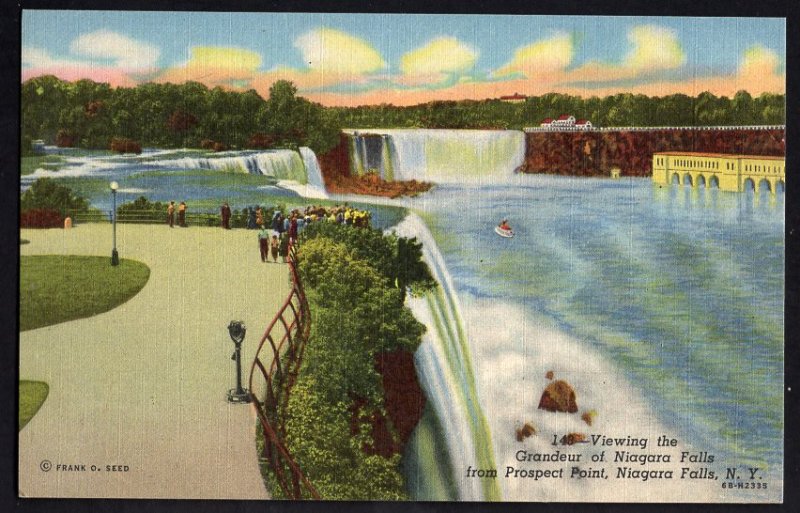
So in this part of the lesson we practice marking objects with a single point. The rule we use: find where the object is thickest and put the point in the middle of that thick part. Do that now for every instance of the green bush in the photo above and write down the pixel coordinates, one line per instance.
(399, 259)
(357, 310)
(143, 210)
(46, 194)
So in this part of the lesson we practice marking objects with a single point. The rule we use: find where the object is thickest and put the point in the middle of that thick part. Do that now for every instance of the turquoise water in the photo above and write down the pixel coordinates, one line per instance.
(682, 290)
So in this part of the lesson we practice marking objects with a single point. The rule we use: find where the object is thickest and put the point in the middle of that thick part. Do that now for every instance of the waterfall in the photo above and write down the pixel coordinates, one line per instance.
(315, 185)
(439, 156)
(279, 164)
(356, 156)
(445, 370)
(387, 169)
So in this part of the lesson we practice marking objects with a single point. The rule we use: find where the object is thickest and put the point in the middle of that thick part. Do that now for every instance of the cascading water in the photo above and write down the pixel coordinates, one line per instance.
(439, 156)
(298, 171)
(315, 185)
(445, 369)
(279, 164)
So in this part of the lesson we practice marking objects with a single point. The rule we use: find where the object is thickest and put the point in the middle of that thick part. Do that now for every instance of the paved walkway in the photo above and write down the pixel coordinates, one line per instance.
(144, 385)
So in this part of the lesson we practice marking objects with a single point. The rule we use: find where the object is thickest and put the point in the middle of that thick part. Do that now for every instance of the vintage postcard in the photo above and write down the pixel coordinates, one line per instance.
(282, 256)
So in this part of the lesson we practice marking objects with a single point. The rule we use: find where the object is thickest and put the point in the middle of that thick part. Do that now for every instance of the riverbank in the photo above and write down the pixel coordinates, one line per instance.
(373, 185)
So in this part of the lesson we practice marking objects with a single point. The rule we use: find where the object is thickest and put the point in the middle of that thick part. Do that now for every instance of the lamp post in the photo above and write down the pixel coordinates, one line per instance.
(237, 330)
(114, 255)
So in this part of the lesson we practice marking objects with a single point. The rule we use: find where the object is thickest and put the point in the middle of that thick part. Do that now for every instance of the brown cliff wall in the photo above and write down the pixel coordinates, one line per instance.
(335, 167)
(335, 163)
(403, 400)
(595, 153)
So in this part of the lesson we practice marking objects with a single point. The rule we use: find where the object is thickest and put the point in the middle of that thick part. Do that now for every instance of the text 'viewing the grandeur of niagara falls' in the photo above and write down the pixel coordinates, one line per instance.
(597, 456)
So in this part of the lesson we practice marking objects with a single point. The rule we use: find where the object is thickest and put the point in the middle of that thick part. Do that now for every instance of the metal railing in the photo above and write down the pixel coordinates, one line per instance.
(283, 343)
(144, 217)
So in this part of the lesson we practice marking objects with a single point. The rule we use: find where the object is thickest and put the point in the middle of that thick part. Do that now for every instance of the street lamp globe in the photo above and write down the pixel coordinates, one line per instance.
(114, 186)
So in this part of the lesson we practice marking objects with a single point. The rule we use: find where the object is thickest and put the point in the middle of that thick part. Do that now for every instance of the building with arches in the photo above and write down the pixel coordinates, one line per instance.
(727, 172)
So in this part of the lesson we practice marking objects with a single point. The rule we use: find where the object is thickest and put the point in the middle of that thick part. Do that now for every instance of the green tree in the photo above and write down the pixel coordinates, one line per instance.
(45, 193)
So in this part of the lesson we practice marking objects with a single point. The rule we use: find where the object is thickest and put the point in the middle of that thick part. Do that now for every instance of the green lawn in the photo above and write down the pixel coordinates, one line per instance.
(56, 288)
(31, 397)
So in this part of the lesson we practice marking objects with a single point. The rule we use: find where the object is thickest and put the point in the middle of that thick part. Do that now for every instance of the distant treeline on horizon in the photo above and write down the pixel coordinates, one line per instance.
(88, 114)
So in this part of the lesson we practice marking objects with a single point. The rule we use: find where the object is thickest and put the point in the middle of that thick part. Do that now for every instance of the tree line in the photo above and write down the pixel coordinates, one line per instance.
(89, 114)
(625, 109)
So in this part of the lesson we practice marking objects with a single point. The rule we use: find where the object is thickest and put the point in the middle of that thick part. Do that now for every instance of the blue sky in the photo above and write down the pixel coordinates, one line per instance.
(702, 48)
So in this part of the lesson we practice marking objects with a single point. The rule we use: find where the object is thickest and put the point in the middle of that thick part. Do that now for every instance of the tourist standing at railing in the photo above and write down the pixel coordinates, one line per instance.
(182, 214)
(171, 214)
(274, 246)
(293, 229)
(276, 223)
(284, 246)
(259, 216)
(263, 243)
(225, 211)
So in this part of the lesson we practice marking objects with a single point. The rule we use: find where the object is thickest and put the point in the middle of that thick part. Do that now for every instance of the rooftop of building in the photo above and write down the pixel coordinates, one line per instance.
(716, 155)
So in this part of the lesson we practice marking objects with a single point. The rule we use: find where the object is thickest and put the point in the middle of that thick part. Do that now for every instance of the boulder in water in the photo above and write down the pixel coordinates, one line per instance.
(588, 417)
(559, 396)
(549, 375)
(525, 431)
(574, 438)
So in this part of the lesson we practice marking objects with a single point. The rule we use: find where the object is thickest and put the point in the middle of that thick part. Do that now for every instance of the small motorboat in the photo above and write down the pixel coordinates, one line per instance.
(508, 233)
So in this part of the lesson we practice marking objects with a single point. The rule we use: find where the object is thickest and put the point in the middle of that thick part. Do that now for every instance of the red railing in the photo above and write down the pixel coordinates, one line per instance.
(283, 344)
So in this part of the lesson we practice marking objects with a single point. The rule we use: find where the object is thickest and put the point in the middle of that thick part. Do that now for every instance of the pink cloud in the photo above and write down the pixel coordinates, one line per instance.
(113, 76)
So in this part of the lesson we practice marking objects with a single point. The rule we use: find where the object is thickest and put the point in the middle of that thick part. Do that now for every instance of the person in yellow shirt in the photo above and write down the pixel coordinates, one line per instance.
(182, 215)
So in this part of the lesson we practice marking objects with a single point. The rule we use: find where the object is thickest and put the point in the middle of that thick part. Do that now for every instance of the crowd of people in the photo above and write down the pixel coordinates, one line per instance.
(276, 230)
(285, 228)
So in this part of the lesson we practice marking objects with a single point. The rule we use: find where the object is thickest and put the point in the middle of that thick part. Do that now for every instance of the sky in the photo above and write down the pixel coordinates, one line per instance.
(404, 59)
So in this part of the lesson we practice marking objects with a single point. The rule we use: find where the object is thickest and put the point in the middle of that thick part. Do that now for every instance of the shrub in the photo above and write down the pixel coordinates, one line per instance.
(65, 139)
(143, 210)
(260, 141)
(209, 144)
(357, 313)
(40, 218)
(125, 145)
(45, 193)
(397, 258)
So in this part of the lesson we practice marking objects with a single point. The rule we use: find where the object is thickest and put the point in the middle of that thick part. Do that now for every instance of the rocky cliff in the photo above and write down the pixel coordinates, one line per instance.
(596, 153)
(335, 167)
(403, 400)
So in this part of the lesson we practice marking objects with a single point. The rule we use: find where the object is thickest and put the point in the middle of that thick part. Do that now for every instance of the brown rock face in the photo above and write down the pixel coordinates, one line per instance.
(403, 396)
(335, 166)
(558, 396)
(594, 153)
(403, 400)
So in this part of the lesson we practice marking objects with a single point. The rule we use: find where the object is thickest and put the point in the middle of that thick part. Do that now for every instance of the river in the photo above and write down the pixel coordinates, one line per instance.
(662, 307)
